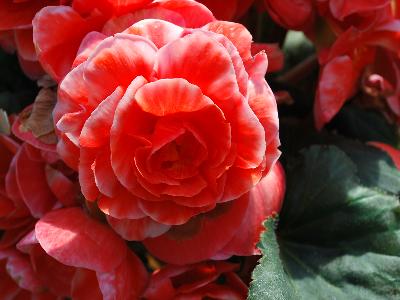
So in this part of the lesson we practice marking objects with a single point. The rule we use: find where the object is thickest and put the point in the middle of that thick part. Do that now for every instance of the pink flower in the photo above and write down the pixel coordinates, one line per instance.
(165, 123)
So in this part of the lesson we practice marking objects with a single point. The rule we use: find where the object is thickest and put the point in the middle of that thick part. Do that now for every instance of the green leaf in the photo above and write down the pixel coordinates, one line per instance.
(375, 167)
(337, 238)
(270, 279)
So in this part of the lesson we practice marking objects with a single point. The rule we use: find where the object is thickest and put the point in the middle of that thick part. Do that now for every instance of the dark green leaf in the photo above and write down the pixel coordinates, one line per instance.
(337, 238)
(365, 125)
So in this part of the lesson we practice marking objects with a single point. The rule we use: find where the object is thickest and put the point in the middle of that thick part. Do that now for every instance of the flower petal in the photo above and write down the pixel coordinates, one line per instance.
(24, 43)
(265, 199)
(85, 286)
(138, 229)
(74, 239)
(96, 130)
(158, 31)
(123, 205)
(117, 61)
(202, 237)
(170, 96)
(126, 281)
(169, 213)
(336, 85)
(57, 34)
(19, 14)
(202, 61)
(32, 184)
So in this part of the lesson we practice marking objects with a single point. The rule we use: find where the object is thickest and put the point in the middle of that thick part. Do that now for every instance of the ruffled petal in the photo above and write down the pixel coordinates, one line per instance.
(194, 14)
(96, 130)
(88, 44)
(202, 61)
(170, 96)
(117, 61)
(236, 33)
(158, 31)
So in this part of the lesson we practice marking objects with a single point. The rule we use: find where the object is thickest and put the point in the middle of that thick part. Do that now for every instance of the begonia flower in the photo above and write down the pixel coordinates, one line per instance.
(164, 123)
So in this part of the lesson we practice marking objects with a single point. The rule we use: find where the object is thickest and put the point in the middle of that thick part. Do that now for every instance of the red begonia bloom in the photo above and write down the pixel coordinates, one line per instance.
(214, 280)
(355, 40)
(231, 229)
(58, 30)
(165, 122)
(354, 53)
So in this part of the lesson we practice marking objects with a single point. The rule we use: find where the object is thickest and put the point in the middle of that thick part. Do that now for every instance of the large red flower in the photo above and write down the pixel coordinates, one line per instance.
(164, 123)
(207, 280)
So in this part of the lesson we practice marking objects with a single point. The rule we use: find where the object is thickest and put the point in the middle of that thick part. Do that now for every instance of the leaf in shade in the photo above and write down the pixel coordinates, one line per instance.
(336, 239)
(364, 125)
